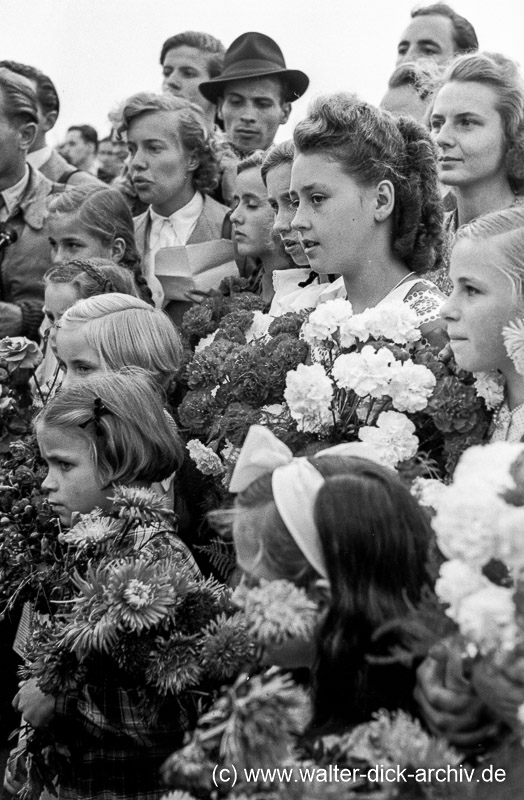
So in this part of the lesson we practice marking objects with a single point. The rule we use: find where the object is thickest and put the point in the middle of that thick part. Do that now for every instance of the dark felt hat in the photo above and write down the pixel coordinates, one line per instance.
(254, 55)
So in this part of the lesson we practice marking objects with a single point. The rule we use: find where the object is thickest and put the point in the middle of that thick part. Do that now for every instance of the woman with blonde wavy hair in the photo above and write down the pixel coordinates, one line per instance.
(477, 122)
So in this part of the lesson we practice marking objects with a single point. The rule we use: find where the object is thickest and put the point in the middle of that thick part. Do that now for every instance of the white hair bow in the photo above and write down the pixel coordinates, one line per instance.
(295, 483)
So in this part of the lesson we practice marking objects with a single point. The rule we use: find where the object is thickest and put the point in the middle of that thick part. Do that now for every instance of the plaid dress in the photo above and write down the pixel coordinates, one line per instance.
(117, 745)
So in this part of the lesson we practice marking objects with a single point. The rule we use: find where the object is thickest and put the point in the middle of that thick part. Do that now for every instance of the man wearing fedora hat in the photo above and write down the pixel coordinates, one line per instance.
(254, 92)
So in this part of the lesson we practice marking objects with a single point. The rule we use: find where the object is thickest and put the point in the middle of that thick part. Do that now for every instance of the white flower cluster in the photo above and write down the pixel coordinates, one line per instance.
(308, 393)
(325, 321)
(257, 331)
(377, 373)
(205, 459)
(490, 386)
(335, 321)
(393, 438)
(475, 524)
(315, 394)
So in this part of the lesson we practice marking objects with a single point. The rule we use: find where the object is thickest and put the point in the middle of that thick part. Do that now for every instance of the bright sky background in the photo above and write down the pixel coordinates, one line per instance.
(100, 51)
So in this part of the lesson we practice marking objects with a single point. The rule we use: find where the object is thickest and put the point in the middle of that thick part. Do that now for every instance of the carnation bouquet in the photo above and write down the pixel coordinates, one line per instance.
(374, 379)
(479, 524)
(334, 376)
(237, 380)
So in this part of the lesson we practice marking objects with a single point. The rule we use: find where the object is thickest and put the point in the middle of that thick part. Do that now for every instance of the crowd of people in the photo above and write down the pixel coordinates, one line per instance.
(163, 256)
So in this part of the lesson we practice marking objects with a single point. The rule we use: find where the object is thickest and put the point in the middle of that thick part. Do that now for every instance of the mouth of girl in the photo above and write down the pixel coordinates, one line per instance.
(308, 245)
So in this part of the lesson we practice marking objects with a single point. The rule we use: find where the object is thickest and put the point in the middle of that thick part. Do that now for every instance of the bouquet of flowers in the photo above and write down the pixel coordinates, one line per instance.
(130, 607)
(29, 548)
(19, 358)
(373, 379)
(479, 524)
(256, 725)
(370, 377)
(238, 380)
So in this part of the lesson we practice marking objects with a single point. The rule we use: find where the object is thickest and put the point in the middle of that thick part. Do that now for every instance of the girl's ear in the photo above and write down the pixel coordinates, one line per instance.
(194, 162)
(118, 248)
(384, 200)
(320, 592)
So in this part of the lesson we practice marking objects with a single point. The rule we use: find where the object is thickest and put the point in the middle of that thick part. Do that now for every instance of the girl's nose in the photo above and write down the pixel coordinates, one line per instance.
(448, 310)
(48, 483)
(236, 216)
(299, 221)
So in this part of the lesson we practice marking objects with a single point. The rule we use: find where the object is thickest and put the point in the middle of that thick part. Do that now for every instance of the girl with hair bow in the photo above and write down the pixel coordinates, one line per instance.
(344, 528)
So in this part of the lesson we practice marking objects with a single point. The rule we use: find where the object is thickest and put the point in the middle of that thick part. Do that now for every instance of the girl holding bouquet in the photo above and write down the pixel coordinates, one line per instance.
(368, 205)
(94, 437)
(345, 529)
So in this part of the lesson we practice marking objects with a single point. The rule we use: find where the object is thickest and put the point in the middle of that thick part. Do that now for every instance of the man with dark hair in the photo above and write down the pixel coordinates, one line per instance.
(23, 211)
(254, 92)
(81, 147)
(438, 32)
(41, 155)
(187, 59)
(108, 158)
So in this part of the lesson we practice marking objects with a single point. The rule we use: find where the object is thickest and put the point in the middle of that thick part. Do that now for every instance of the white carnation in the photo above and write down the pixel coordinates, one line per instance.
(455, 582)
(488, 464)
(490, 386)
(511, 537)
(205, 459)
(429, 492)
(487, 618)
(308, 394)
(466, 524)
(411, 386)
(356, 328)
(394, 437)
(325, 320)
(274, 409)
(258, 328)
(367, 372)
(395, 321)
(205, 342)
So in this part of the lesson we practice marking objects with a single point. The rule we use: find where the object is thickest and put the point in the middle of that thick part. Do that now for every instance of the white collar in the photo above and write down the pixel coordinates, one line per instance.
(185, 216)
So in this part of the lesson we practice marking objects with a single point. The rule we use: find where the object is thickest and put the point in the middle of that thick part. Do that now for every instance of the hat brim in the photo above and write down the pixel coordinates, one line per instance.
(296, 81)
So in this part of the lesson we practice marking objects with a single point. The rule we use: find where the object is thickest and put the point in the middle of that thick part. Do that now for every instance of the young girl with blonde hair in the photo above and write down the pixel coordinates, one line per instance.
(108, 431)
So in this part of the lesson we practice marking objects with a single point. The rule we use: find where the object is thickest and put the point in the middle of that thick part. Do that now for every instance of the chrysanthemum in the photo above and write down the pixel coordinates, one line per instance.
(174, 665)
(140, 594)
(278, 610)
(513, 335)
(226, 646)
(144, 505)
(93, 528)
(260, 716)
